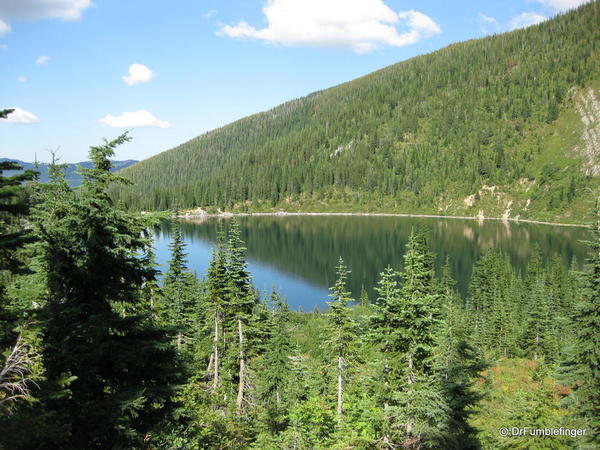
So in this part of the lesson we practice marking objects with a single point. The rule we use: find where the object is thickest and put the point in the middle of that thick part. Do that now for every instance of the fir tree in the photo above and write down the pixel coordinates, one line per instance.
(276, 369)
(241, 303)
(420, 406)
(180, 290)
(342, 332)
(121, 369)
(217, 300)
(585, 357)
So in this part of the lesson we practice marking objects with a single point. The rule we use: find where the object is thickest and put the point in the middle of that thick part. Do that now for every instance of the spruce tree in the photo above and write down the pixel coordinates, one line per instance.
(240, 305)
(384, 329)
(180, 290)
(276, 368)
(458, 365)
(120, 366)
(585, 356)
(217, 296)
(420, 406)
(342, 332)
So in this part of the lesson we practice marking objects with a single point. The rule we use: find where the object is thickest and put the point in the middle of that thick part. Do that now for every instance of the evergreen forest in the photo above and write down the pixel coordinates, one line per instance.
(98, 351)
(505, 125)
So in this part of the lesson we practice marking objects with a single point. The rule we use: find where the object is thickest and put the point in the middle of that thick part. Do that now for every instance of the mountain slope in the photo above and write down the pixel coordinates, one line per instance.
(490, 126)
(71, 175)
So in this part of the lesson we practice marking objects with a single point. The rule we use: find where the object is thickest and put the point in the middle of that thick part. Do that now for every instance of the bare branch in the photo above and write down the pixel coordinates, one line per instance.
(16, 375)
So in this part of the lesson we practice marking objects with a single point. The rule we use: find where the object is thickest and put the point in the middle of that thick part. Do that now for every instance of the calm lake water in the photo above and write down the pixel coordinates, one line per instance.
(297, 255)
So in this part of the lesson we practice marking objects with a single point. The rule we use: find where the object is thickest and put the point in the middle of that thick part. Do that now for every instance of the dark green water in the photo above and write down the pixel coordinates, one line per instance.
(298, 254)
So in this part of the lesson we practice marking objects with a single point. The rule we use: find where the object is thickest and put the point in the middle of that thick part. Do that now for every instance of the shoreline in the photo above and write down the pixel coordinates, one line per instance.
(425, 216)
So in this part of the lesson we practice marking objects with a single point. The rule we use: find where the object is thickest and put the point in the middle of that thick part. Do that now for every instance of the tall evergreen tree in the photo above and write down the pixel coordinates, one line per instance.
(121, 368)
(342, 332)
(585, 356)
(217, 296)
(420, 406)
(241, 303)
(276, 368)
(458, 365)
(180, 290)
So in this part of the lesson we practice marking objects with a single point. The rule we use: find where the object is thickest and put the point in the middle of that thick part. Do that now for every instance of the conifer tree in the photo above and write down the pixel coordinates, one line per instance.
(276, 369)
(241, 303)
(342, 332)
(420, 404)
(121, 368)
(17, 357)
(459, 363)
(180, 293)
(384, 329)
(585, 356)
(217, 302)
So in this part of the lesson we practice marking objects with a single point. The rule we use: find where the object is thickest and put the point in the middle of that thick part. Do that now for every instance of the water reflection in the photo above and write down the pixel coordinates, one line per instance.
(297, 254)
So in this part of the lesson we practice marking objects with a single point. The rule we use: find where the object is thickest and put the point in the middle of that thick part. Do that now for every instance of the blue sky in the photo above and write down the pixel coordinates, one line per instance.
(168, 71)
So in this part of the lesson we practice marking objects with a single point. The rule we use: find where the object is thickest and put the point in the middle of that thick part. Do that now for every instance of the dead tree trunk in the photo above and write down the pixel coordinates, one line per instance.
(340, 387)
(242, 374)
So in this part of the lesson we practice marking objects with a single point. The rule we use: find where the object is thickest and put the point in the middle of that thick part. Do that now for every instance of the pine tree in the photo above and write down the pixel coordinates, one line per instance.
(120, 366)
(217, 297)
(420, 406)
(276, 369)
(458, 366)
(585, 358)
(384, 327)
(241, 303)
(17, 356)
(180, 290)
(342, 332)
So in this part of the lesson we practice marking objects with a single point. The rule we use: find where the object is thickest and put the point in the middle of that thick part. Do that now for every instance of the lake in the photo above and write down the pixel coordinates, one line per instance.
(297, 255)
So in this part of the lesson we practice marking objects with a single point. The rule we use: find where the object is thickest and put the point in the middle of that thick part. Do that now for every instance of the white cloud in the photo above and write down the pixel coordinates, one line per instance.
(135, 119)
(525, 20)
(562, 5)
(4, 28)
(359, 25)
(69, 10)
(487, 19)
(21, 79)
(208, 14)
(42, 60)
(138, 73)
(21, 116)
(3, 46)
(488, 24)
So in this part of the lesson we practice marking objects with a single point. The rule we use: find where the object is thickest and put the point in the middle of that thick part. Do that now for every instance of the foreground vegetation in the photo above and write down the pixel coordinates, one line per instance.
(98, 354)
(496, 125)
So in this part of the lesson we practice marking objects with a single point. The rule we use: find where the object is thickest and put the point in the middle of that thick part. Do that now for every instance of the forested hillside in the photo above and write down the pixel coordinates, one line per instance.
(504, 125)
(97, 352)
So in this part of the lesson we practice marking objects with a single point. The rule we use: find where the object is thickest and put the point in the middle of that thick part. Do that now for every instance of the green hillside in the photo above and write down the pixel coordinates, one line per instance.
(504, 125)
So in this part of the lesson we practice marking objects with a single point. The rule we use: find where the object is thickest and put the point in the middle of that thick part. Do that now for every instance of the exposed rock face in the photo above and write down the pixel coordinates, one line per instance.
(589, 109)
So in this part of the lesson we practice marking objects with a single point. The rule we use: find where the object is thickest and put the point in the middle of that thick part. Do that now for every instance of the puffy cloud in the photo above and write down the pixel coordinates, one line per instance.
(69, 10)
(4, 27)
(3, 46)
(525, 20)
(42, 60)
(562, 5)
(135, 119)
(138, 73)
(21, 79)
(21, 116)
(359, 25)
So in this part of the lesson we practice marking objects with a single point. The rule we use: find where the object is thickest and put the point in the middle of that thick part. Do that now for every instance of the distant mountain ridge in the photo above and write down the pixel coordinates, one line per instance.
(502, 126)
(73, 179)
